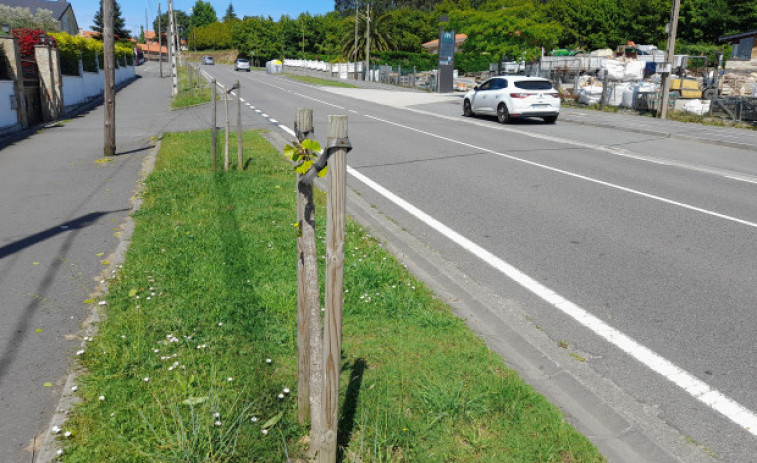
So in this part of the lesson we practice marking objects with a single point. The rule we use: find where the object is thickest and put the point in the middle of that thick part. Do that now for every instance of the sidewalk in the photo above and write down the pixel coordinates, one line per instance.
(63, 210)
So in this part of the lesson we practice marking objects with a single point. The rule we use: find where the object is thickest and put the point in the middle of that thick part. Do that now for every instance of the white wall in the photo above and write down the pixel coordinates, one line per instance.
(8, 116)
(79, 89)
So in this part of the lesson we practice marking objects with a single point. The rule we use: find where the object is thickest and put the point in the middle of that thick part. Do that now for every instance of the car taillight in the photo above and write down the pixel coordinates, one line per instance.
(519, 95)
(555, 95)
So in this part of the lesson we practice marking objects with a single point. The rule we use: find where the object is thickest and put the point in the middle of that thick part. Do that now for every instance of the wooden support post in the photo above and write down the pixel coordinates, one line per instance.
(332, 339)
(226, 147)
(309, 334)
(214, 123)
(240, 164)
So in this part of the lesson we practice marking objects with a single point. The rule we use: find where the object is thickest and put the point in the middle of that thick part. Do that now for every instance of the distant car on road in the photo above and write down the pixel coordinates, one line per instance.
(242, 65)
(208, 60)
(509, 97)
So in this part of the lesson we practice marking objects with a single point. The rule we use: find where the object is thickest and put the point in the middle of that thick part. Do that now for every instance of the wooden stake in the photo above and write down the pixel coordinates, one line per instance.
(332, 339)
(310, 337)
(240, 165)
(214, 123)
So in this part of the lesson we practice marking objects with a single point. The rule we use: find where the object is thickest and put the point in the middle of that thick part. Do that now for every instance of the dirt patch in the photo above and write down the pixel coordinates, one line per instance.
(219, 56)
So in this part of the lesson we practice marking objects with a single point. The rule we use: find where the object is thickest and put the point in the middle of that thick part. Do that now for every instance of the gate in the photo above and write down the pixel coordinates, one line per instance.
(30, 78)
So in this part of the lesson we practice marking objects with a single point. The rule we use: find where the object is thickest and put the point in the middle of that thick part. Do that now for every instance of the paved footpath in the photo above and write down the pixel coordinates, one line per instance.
(61, 206)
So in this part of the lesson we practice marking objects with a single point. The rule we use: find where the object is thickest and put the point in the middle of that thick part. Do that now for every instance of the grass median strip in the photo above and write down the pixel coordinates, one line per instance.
(196, 358)
(320, 81)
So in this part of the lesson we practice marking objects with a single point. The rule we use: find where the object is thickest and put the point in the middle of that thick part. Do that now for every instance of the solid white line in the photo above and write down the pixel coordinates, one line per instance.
(287, 130)
(575, 175)
(681, 378)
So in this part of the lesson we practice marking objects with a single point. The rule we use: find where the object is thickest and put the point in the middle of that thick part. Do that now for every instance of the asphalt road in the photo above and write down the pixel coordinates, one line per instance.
(609, 262)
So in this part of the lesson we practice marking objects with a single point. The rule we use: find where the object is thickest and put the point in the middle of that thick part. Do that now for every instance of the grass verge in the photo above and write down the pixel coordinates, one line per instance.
(189, 95)
(320, 81)
(199, 342)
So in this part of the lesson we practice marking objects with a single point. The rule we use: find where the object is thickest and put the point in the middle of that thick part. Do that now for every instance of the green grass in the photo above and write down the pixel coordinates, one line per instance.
(198, 93)
(320, 81)
(208, 293)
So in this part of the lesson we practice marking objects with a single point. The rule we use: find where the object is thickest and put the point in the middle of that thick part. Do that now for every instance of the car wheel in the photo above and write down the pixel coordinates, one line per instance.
(503, 115)
(467, 111)
(550, 119)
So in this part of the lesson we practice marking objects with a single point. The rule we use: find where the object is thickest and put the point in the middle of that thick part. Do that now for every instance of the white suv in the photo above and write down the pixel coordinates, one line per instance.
(242, 65)
(508, 97)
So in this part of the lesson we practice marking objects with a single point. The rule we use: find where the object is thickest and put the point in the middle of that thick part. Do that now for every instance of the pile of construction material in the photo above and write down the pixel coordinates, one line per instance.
(740, 83)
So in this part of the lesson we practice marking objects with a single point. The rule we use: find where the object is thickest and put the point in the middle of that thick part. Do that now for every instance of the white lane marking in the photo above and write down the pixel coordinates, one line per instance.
(352, 111)
(575, 175)
(273, 121)
(264, 114)
(741, 179)
(258, 111)
(681, 378)
(287, 130)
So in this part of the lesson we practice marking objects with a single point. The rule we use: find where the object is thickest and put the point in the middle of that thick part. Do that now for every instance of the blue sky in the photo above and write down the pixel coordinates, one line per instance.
(133, 11)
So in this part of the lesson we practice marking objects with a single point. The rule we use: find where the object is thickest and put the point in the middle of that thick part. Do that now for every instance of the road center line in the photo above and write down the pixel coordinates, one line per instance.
(575, 175)
(670, 371)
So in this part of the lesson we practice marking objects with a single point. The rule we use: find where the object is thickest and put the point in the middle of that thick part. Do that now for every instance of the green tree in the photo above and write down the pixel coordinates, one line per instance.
(230, 14)
(510, 31)
(379, 36)
(410, 28)
(213, 36)
(19, 17)
(258, 38)
(203, 14)
(182, 22)
(119, 29)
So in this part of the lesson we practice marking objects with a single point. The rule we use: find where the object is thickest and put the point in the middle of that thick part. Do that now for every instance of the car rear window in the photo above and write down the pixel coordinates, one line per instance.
(534, 85)
(242, 61)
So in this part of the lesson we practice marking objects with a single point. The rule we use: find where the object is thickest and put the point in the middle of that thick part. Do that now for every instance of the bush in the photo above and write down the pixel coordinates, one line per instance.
(472, 62)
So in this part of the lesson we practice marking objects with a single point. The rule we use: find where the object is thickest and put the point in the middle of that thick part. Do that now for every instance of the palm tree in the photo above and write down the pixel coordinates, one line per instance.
(380, 40)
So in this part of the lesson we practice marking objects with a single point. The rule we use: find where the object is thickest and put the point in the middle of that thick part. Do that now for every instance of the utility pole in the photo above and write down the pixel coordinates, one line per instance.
(670, 59)
(368, 41)
(160, 44)
(109, 66)
(172, 50)
(354, 60)
(144, 34)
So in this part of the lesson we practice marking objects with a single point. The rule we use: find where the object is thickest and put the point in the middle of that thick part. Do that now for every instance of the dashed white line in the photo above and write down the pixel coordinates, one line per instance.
(273, 121)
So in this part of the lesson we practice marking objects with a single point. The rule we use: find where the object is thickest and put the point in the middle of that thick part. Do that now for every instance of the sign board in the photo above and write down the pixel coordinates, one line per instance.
(446, 60)
(447, 48)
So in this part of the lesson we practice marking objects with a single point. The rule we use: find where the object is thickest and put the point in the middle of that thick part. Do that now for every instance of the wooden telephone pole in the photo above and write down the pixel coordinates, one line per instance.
(670, 58)
(109, 65)
(172, 49)
(160, 43)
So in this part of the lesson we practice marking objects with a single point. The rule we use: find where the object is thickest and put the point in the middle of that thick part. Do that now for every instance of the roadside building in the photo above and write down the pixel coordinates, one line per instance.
(62, 11)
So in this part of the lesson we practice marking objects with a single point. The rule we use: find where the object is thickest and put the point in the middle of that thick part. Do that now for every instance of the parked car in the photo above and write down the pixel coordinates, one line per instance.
(242, 65)
(509, 97)
(208, 60)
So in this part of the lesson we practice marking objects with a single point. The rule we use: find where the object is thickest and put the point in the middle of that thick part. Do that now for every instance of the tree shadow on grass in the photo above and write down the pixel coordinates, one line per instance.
(347, 418)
